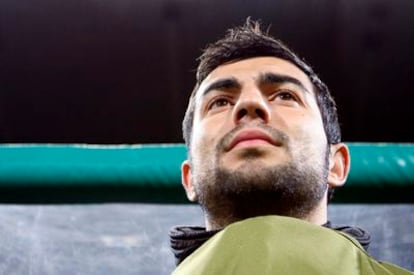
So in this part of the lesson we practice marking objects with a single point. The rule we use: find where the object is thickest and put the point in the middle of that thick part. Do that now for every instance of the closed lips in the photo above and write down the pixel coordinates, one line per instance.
(251, 134)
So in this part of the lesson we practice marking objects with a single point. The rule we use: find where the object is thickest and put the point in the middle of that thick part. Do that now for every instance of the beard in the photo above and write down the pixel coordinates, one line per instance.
(291, 189)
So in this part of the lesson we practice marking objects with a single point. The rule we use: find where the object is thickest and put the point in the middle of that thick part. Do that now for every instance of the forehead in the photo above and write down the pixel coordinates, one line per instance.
(249, 69)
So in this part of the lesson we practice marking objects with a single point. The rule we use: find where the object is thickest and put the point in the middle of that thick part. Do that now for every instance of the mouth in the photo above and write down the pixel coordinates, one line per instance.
(252, 138)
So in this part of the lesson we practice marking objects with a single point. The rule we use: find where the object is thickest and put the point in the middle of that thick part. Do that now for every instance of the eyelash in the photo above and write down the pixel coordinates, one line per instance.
(216, 100)
(273, 97)
(284, 93)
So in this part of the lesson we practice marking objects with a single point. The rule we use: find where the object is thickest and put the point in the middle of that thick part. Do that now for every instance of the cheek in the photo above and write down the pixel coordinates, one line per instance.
(306, 129)
(203, 140)
(211, 128)
(206, 135)
(315, 130)
(312, 143)
(300, 121)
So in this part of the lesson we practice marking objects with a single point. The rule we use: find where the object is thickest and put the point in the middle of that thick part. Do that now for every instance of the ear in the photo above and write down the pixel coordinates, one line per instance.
(187, 181)
(339, 164)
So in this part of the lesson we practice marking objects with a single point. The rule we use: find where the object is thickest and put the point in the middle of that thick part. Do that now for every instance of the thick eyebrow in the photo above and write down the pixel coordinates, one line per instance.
(223, 84)
(272, 78)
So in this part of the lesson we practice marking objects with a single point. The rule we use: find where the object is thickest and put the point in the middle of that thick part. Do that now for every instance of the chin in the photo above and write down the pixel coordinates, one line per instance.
(253, 166)
(252, 156)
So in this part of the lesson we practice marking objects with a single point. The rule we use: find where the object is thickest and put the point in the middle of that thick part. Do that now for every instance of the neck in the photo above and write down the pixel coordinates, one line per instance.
(318, 216)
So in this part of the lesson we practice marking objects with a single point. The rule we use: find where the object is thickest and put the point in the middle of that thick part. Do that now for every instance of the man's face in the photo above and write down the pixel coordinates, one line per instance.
(254, 117)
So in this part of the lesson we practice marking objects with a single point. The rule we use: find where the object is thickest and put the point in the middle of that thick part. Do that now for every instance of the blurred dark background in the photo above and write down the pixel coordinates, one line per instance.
(104, 71)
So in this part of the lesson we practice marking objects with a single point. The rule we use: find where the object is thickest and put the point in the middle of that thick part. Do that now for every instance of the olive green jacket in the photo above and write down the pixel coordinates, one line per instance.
(282, 245)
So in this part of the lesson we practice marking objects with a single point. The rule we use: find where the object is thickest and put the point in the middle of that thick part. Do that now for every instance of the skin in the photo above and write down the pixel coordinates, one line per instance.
(258, 91)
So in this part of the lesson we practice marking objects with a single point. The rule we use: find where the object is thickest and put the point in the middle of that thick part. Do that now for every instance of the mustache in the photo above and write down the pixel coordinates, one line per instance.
(274, 133)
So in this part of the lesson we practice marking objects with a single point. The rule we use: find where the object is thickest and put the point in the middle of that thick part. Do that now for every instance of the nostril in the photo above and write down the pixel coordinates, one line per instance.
(241, 114)
(252, 113)
(260, 113)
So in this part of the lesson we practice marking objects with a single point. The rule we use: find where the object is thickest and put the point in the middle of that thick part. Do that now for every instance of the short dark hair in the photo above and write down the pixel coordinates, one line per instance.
(249, 41)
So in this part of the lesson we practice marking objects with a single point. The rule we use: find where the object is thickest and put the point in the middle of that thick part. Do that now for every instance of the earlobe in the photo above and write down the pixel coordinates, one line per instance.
(187, 180)
(339, 165)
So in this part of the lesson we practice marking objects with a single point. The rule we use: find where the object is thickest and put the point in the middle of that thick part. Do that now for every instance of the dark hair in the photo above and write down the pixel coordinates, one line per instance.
(249, 41)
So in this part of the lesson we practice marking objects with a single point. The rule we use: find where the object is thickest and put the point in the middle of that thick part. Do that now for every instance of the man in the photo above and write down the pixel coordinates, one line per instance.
(264, 154)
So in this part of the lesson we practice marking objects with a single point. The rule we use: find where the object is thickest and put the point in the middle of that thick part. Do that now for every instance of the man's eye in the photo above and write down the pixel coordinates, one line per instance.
(220, 102)
(286, 96)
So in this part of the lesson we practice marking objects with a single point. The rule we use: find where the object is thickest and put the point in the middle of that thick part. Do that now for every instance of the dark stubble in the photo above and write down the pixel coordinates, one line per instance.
(254, 189)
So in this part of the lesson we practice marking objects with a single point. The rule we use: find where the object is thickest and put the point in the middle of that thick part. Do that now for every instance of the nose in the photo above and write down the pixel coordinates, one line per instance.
(251, 105)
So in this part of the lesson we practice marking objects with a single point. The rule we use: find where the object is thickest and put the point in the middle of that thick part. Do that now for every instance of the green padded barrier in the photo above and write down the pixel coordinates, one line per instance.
(380, 173)
(59, 173)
